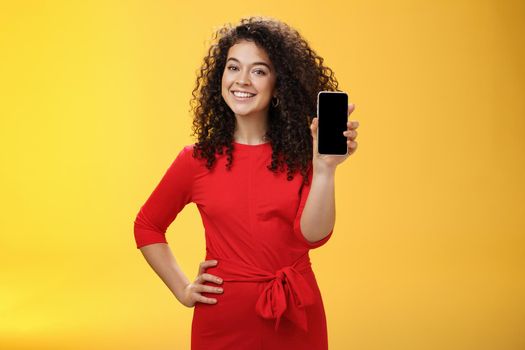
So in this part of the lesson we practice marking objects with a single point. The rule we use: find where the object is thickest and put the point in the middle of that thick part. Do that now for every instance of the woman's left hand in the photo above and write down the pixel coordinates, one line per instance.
(323, 162)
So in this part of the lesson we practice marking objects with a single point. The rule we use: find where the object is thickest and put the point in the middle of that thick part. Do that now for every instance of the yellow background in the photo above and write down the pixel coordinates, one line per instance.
(428, 251)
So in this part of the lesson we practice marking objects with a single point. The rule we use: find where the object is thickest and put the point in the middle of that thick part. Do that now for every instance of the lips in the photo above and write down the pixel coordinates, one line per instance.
(247, 92)
(238, 98)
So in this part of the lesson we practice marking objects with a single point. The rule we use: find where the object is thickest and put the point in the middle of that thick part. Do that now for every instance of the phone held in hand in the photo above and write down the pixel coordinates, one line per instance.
(332, 114)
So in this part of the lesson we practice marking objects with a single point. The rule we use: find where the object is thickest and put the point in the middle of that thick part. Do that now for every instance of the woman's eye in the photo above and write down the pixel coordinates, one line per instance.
(258, 71)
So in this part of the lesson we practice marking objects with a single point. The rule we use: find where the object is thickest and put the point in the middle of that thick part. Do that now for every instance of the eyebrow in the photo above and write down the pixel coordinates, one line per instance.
(253, 64)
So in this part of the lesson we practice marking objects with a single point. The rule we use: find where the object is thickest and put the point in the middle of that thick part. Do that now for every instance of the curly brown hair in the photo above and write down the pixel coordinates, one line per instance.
(300, 75)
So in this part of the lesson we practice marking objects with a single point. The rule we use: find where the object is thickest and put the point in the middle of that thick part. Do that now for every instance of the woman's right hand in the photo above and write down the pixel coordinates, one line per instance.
(192, 292)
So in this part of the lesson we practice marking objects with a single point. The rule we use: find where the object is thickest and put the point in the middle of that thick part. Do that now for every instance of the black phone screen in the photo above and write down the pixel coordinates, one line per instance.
(332, 113)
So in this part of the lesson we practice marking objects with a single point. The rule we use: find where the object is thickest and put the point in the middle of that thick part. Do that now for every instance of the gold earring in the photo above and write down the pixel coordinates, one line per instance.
(277, 103)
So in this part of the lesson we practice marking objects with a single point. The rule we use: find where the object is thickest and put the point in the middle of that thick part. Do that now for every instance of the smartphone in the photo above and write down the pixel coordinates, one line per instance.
(332, 114)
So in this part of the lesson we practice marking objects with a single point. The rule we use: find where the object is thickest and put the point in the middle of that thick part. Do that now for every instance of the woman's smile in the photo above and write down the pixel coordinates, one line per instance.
(242, 96)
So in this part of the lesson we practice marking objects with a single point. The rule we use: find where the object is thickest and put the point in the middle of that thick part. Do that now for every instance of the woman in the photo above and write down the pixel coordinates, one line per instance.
(264, 194)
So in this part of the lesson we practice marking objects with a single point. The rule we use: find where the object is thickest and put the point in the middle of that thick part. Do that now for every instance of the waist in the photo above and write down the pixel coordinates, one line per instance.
(236, 271)
(287, 293)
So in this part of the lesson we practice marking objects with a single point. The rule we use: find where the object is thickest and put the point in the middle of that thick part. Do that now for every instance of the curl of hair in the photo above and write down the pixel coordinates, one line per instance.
(300, 75)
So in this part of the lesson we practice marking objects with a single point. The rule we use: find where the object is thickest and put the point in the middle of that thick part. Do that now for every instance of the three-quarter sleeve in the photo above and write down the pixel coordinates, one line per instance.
(305, 190)
(168, 198)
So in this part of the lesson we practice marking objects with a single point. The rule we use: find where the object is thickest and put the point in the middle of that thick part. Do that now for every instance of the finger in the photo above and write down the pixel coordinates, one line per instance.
(351, 108)
(211, 278)
(352, 144)
(353, 124)
(352, 134)
(205, 264)
(205, 300)
(210, 289)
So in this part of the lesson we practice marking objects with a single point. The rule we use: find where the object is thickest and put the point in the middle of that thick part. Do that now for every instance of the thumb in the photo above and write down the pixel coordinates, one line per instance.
(313, 128)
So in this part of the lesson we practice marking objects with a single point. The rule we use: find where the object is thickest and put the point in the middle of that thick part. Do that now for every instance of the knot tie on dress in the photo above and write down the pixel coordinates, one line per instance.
(287, 292)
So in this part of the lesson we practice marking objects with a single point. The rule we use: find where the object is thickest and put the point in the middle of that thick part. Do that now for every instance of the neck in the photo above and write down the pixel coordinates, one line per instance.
(251, 129)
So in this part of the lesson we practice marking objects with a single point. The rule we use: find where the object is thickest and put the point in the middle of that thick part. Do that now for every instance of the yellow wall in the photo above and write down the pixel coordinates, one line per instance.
(428, 248)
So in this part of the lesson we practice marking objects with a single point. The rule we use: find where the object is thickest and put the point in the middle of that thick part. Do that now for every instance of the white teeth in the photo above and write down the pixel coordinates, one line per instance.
(243, 94)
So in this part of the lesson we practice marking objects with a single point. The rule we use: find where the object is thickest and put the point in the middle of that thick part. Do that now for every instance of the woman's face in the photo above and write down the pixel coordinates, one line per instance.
(249, 70)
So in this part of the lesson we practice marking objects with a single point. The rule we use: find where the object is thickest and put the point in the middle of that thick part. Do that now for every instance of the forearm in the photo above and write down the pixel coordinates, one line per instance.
(318, 217)
(160, 257)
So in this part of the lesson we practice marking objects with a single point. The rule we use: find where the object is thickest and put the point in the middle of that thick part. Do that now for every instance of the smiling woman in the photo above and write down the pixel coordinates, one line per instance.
(254, 101)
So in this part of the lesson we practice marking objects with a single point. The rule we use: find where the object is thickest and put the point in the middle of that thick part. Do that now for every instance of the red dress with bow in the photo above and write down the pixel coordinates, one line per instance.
(251, 218)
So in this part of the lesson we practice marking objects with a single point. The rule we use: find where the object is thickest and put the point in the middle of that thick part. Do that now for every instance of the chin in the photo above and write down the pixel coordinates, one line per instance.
(243, 113)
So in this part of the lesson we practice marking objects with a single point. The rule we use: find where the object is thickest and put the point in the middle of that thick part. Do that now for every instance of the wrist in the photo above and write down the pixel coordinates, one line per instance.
(180, 295)
(324, 171)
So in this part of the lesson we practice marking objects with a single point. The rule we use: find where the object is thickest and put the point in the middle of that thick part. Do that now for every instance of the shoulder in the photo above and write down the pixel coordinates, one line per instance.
(185, 153)
(188, 149)
(187, 157)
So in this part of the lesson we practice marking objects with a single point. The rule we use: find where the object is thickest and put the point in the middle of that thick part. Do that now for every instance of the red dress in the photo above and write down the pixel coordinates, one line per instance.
(251, 217)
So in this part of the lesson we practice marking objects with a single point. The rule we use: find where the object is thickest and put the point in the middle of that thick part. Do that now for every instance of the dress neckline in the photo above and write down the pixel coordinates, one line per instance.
(247, 146)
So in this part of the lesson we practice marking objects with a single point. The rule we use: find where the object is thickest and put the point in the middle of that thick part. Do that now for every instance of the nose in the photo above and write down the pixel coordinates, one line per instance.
(243, 79)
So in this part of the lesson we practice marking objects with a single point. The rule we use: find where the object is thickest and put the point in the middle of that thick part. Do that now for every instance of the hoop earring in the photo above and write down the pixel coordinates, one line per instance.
(277, 103)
